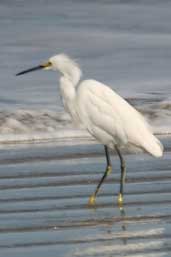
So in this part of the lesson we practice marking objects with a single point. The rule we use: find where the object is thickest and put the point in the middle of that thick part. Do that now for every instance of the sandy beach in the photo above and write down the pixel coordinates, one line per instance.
(43, 203)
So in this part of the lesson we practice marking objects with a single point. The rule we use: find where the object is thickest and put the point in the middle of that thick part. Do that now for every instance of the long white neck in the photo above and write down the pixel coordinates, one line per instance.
(73, 74)
(68, 84)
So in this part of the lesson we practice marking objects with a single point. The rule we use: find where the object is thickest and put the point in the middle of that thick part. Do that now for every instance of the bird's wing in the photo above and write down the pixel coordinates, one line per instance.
(98, 114)
(101, 108)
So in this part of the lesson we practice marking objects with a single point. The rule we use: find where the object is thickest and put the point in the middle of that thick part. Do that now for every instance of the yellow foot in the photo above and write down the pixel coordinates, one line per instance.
(92, 200)
(109, 169)
(120, 201)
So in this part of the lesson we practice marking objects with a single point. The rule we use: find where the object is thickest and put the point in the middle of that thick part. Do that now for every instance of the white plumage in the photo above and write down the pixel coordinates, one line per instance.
(112, 120)
(105, 114)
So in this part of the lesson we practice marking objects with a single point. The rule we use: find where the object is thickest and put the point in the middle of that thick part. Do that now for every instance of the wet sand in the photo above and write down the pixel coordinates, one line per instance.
(44, 191)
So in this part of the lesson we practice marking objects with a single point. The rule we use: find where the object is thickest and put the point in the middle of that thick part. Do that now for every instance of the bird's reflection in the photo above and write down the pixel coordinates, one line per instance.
(123, 225)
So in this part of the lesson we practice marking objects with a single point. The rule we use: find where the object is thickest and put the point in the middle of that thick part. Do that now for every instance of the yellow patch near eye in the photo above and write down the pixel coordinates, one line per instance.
(46, 66)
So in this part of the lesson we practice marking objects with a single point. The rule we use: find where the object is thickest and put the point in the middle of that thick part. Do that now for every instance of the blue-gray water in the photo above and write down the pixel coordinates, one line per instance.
(44, 188)
(126, 44)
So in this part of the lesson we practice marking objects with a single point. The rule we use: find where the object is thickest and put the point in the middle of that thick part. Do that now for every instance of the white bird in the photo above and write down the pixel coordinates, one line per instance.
(106, 115)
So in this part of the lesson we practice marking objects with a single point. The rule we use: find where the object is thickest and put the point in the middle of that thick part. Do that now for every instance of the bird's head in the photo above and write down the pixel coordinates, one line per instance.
(60, 62)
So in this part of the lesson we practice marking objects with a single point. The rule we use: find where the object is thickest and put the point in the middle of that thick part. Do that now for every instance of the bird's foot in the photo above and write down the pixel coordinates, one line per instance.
(120, 201)
(92, 200)
(109, 169)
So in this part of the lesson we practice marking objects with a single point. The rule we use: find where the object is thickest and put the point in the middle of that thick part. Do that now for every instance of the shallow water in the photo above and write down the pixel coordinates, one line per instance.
(44, 187)
(44, 191)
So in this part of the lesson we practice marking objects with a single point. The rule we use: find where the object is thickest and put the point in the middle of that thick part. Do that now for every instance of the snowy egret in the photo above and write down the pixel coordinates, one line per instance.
(106, 115)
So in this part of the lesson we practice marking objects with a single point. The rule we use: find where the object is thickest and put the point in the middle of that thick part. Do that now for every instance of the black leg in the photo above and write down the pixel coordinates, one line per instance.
(107, 171)
(107, 156)
(123, 175)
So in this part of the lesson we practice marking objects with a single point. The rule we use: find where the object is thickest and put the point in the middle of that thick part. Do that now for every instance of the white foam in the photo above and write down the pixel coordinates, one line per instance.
(74, 136)
(33, 125)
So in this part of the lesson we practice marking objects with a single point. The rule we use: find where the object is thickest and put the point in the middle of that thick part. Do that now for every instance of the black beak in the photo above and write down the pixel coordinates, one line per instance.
(40, 67)
(29, 70)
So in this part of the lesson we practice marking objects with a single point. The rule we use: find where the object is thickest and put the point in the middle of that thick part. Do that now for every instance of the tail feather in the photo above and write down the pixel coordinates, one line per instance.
(154, 146)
